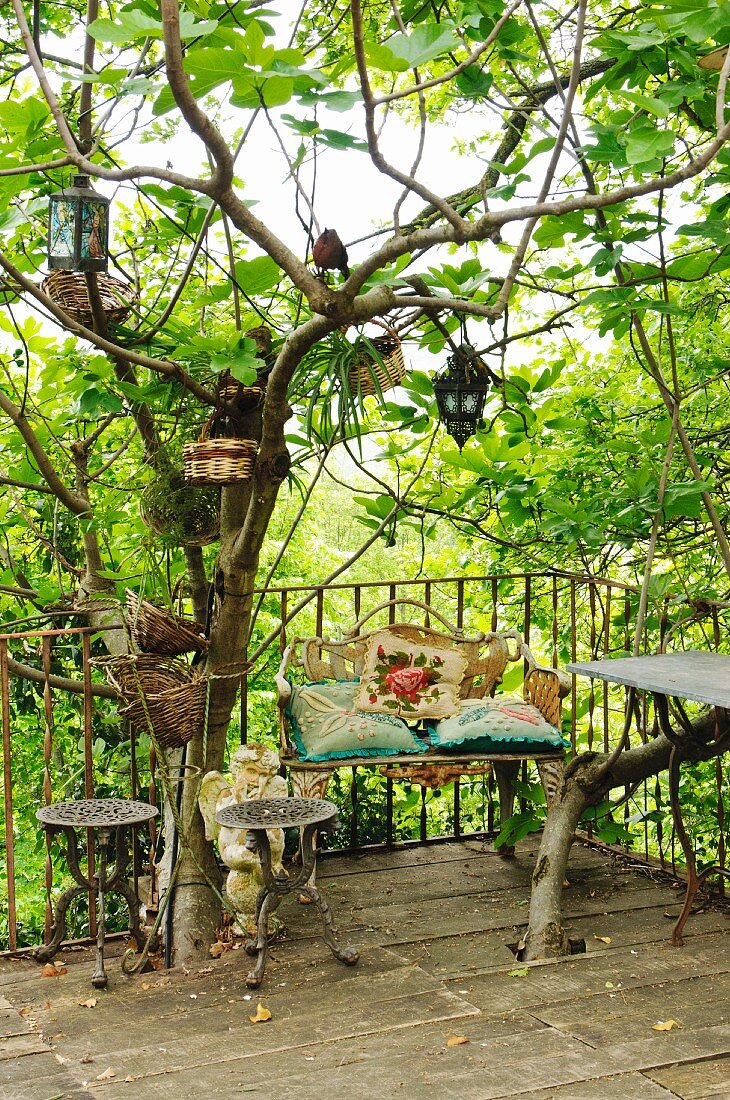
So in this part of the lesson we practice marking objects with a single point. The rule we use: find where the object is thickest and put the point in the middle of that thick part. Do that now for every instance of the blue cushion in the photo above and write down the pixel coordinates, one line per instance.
(494, 726)
(326, 725)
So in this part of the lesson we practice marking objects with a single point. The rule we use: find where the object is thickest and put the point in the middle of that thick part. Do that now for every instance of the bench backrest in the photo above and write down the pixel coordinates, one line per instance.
(342, 659)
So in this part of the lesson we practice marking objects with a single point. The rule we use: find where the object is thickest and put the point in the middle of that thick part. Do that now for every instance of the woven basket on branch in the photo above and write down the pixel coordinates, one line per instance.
(132, 673)
(385, 369)
(162, 632)
(237, 397)
(68, 289)
(173, 717)
(218, 461)
(183, 515)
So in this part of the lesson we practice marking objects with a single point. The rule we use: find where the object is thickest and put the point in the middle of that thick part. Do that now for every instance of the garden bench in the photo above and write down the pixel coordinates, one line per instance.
(369, 699)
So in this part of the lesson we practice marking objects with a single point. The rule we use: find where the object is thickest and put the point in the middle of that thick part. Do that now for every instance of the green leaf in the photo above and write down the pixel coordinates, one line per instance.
(258, 275)
(133, 24)
(648, 144)
(407, 51)
(647, 103)
(474, 82)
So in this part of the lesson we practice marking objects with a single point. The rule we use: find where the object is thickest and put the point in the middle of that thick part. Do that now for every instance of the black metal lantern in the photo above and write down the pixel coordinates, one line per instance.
(461, 391)
(78, 228)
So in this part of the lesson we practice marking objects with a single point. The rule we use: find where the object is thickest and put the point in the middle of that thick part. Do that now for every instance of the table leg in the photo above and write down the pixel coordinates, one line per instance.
(694, 880)
(46, 952)
(347, 955)
(99, 978)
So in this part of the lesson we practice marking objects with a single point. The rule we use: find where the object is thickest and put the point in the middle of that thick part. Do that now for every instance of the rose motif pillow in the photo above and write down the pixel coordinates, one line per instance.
(410, 680)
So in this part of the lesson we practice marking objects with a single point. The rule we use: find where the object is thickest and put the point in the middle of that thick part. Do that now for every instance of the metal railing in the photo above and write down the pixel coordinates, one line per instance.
(57, 744)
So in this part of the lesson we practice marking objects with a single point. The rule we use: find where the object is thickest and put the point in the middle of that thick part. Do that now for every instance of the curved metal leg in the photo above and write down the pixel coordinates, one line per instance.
(259, 946)
(347, 955)
(48, 950)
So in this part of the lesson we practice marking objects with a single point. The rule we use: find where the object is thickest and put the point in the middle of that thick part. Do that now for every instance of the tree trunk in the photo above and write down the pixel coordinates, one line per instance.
(587, 782)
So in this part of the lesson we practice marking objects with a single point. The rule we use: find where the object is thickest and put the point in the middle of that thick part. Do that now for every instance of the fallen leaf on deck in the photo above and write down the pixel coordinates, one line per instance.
(457, 1040)
(205, 970)
(25, 1012)
(522, 972)
(91, 1003)
(106, 1075)
(129, 1077)
(52, 971)
(86, 1059)
(603, 939)
(664, 1025)
(217, 949)
(262, 1014)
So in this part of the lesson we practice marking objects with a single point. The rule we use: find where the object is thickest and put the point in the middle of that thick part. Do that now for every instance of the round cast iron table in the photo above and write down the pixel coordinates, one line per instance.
(107, 815)
(310, 815)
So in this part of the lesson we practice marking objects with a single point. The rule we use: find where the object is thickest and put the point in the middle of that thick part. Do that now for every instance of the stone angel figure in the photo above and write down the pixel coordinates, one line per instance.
(255, 775)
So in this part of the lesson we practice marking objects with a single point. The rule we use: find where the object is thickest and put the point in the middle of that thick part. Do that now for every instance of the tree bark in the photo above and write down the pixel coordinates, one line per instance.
(587, 782)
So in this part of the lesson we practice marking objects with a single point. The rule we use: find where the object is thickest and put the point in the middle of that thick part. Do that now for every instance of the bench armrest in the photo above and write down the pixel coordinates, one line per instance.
(544, 688)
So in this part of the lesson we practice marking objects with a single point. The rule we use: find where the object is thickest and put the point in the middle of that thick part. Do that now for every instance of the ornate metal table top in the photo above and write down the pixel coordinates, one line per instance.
(96, 812)
(698, 675)
(276, 813)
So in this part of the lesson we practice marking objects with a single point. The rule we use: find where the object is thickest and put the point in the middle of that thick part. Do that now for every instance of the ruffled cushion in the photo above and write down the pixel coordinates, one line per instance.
(326, 725)
(494, 726)
(408, 679)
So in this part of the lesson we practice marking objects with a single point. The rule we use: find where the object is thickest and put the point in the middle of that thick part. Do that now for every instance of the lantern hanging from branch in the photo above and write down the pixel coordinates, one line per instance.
(461, 391)
(78, 228)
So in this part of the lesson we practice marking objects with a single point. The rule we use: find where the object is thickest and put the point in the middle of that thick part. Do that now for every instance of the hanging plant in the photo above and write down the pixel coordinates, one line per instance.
(182, 514)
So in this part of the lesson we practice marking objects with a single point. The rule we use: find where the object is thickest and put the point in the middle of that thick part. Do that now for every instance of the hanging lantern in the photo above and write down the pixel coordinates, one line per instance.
(461, 391)
(78, 228)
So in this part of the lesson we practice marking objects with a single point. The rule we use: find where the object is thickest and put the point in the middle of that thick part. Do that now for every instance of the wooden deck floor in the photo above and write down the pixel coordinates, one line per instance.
(436, 1007)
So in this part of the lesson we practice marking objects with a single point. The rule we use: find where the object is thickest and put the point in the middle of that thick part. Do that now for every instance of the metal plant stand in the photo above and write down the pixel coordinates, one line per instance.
(108, 816)
(310, 815)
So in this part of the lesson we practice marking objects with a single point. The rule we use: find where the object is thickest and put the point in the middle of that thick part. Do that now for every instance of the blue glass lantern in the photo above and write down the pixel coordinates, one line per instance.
(78, 228)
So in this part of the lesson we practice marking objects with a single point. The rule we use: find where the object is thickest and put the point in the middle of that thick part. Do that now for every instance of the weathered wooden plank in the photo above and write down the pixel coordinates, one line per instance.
(607, 1018)
(696, 1080)
(551, 983)
(40, 1077)
(625, 1086)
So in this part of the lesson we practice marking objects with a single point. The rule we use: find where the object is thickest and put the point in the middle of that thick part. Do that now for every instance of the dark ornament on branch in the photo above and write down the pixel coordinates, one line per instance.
(330, 254)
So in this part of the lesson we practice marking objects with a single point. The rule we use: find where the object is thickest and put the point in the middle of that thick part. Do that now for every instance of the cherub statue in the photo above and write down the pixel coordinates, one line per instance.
(255, 775)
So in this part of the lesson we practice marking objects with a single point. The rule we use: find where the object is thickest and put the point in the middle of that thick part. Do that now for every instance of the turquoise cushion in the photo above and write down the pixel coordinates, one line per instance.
(494, 726)
(326, 725)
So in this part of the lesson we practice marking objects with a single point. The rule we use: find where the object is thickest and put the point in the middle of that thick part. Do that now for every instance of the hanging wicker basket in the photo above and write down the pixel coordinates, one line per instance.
(237, 397)
(151, 673)
(389, 369)
(218, 461)
(162, 632)
(172, 716)
(183, 515)
(68, 289)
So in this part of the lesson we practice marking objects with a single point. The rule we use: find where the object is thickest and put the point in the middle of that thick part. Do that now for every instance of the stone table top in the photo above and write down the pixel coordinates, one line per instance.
(699, 675)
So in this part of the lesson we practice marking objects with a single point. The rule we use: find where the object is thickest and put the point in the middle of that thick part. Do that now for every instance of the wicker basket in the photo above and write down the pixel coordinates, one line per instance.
(181, 514)
(68, 290)
(175, 715)
(151, 673)
(241, 398)
(389, 369)
(162, 632)
(218, 461)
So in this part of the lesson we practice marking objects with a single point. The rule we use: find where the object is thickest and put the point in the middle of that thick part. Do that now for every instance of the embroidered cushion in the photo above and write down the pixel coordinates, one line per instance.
(496, 725)
(408, 679)
(326, 725)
